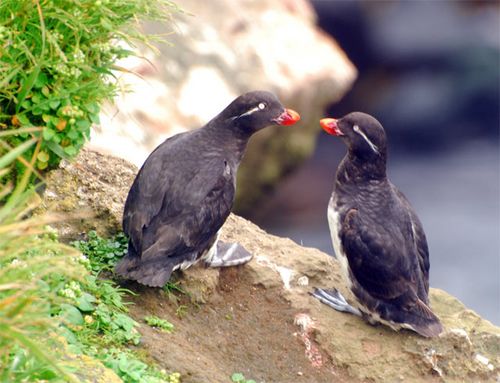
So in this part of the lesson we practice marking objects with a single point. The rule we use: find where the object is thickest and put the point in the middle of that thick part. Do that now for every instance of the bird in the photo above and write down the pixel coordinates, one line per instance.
(377, 236)
(185, 190)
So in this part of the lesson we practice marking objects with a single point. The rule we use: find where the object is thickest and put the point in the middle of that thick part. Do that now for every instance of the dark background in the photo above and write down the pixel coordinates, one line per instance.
(429, 72)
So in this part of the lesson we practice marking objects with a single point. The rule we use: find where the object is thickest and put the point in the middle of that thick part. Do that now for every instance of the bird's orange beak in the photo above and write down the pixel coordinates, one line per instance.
(330, 126)
(288, 117)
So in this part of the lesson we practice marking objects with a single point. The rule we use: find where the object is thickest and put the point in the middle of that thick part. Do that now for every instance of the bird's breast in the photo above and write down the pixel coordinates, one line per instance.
(335, 225)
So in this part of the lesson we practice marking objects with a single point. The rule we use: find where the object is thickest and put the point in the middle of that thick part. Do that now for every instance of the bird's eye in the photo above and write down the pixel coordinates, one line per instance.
(262, 106)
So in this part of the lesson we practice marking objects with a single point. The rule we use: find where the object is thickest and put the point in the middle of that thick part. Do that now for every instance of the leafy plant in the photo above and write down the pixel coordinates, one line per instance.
(57, 59)
(238, 377)
(98, 309)
(132, 370)
(162, 324)
(103, 253)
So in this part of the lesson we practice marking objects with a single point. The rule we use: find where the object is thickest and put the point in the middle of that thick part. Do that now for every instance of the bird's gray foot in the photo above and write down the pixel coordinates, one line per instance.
(229, 254)
(335, 300)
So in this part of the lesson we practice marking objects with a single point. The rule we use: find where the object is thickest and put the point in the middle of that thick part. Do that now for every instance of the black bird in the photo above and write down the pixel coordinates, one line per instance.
(185, 190)
(378, 238)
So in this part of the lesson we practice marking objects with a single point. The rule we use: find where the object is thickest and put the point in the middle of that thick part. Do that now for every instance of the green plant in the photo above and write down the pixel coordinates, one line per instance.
(102, 253)
(162, 324)
(97, 323)
(132, 370)
(57, 63)
(173, 287)
(238, 377)
(29, 257)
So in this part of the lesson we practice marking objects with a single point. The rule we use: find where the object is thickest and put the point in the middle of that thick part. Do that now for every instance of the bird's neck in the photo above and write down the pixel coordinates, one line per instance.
(353, 169)
(227, 139)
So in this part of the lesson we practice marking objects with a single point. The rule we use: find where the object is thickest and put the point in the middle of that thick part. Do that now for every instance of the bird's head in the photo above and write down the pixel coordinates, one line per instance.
(254, 111)
(363, 134)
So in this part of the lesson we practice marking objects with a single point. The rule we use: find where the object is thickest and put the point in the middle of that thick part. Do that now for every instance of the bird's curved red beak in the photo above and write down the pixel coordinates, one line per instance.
(288, 117)
(330, 126)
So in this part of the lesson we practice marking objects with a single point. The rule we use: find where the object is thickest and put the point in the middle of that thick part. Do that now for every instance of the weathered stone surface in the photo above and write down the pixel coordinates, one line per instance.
(91, 189)
(260, 318)
(220, 49)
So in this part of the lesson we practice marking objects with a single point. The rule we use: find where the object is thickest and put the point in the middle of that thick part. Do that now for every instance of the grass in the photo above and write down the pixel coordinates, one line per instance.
(30, 261)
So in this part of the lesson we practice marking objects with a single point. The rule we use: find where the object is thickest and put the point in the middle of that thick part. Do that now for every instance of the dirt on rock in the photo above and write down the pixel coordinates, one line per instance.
(241, 328)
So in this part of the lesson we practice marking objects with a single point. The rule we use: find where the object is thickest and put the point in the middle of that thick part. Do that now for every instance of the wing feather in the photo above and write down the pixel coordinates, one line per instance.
(376, 259)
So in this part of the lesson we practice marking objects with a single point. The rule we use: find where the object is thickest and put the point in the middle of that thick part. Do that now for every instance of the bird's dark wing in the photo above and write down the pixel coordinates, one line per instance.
(160, 212)
(420, 242)
(146, 195)
(377, 259)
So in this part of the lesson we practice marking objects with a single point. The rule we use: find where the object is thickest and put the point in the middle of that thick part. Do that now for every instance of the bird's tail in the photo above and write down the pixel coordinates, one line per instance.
(424, 321)
(153, 273)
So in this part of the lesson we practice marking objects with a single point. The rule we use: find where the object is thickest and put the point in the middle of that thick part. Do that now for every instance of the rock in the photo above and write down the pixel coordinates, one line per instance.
(260, 319)
(91, 190)
(220, 49)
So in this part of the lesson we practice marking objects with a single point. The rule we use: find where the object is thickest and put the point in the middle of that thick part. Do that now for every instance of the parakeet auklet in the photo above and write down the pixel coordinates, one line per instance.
(185, 191)
(378, 238)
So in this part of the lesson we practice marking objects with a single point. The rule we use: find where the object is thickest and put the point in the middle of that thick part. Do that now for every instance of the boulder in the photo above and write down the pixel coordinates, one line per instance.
(259, 318)
(219, 50)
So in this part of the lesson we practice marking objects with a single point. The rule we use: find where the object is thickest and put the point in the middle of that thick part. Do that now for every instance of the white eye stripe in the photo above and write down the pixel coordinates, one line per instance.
(261, 106)
(358, 130)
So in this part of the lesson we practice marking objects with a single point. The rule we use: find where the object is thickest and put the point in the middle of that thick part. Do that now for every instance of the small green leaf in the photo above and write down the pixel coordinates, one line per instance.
(42, 165)
(43, 156)
(48, 133)
(85, 302)
(70, 150)
(238, 377)
(41, 81)
(54, 121)
(54, 104)
(83, 125)
(72, 134)
(94, 118)
(36, 98)
(71, 314)
(92, 108)
(45, 91)
(46, 117)
(26, 104)
(37, 111)
(24, 120)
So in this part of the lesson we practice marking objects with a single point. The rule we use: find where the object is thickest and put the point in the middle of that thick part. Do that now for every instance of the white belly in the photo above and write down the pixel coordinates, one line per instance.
(334, 223)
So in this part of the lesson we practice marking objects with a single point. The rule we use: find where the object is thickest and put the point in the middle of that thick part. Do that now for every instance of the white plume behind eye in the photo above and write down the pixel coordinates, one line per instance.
(358, 130)
(259, 107)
